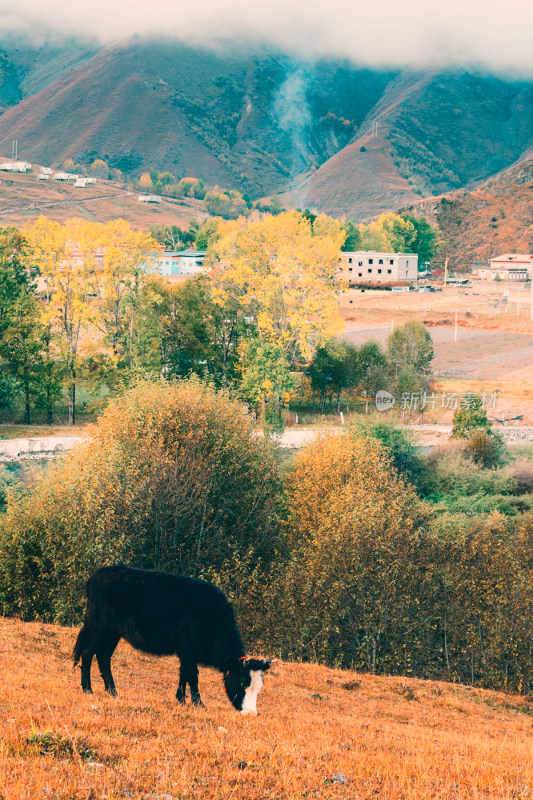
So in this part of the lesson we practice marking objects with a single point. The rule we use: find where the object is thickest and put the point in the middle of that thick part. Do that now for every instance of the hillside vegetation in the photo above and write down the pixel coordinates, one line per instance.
(393, 738)
(492, 219)
(264, 122)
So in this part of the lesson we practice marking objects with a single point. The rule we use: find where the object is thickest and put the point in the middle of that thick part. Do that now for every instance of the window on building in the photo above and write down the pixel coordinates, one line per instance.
(370, 260)
(389, 271)
(379, 272)
(350, 270)
(349, 261)
(380, 261)
(370, 270)
(360, 264)
(391, 261)
(360, 274)
(406, 264)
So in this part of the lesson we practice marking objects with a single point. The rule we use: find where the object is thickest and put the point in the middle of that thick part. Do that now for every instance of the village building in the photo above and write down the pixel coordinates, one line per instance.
(149, 198)
(365, 266)
(515, 267)
(16, 166)
(183, 263)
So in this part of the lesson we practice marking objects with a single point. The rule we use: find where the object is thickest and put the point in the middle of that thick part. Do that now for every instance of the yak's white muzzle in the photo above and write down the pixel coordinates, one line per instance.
(249, 704)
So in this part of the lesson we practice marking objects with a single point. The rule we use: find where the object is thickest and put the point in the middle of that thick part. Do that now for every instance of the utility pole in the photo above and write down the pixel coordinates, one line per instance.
(446, 271)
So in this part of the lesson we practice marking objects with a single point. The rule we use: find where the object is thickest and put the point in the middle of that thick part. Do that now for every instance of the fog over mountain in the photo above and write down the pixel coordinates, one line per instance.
(465, 33)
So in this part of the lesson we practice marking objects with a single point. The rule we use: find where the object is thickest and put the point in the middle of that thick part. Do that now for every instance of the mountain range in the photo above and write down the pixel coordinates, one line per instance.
(327, 134)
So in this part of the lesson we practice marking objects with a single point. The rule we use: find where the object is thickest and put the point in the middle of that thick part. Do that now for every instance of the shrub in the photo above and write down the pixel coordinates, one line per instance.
(399, 444)
(173, 478)
(486, 448)
(522, 472)
(355, 538)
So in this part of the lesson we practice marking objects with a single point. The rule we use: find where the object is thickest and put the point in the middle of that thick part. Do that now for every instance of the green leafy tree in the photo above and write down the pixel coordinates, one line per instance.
(373, 365)
(326, 370)
(172, 237)
(411, 345)
(425, 240)
(469, 417)
(267, 380)
(353, 239)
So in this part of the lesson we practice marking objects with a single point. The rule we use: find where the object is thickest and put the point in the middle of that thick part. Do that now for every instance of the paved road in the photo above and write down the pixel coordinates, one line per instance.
(291, 439)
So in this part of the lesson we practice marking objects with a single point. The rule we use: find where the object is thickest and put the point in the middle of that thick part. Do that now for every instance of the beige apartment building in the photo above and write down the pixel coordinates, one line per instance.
(365, 266)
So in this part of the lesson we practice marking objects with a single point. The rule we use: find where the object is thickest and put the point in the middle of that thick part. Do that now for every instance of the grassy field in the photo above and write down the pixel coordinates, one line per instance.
(391, 738)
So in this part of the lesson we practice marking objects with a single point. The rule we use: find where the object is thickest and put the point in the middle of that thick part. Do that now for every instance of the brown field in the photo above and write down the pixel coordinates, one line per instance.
(392, 738)
(494, 346)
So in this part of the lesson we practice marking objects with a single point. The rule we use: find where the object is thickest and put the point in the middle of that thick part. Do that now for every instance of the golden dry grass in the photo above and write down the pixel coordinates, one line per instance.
(393, 738)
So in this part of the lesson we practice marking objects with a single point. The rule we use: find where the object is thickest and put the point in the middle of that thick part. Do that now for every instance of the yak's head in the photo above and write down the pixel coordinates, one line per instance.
(243, 678)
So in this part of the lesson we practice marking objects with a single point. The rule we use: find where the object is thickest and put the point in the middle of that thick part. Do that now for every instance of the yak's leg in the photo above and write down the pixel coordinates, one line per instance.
(193, 683)
(86, 661)
(103, 656)
(189, 675)
(182, 687)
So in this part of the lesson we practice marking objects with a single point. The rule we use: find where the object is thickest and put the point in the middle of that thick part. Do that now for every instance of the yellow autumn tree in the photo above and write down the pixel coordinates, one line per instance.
(278, 274)
(390, 233)
(354, 531)
(93, 276)
(67, 313)
(122, 259)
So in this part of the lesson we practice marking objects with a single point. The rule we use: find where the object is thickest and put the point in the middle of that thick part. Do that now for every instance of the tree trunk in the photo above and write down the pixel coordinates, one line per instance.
(49, 415)
(27, 406)
(366, 401)
(72, 396)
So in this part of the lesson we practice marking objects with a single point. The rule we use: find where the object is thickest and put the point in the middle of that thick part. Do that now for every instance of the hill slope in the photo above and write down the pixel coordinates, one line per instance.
(429, 133)
(23, 197)
(393, 738)
(250, 120)
(495, 218)
(326, 134)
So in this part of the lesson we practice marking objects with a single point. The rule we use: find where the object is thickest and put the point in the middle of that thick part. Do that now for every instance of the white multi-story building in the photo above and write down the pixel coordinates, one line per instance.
(185, 263)
(365, 266)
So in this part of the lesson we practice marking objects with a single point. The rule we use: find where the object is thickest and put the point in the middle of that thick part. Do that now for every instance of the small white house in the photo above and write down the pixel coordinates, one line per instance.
(46, 170)
(62, 176)
(149, 198)
(16, 166)
(43, 176)
(80, 183)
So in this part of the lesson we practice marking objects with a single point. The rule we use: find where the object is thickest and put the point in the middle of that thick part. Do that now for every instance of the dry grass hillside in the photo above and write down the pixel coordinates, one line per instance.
(321, 733)
(495, 218)
(23, 197)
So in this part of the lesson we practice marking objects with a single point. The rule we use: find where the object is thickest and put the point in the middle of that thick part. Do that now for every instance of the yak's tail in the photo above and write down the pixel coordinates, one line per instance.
(80, 645)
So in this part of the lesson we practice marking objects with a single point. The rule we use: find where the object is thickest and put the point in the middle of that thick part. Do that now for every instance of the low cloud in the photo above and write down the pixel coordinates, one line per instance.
(390, 33)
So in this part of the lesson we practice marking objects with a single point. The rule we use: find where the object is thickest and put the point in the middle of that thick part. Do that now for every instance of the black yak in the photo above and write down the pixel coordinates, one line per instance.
(166, 614)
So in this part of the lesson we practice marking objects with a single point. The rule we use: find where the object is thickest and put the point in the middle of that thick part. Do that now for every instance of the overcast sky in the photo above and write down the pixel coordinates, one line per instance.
(373, 32)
